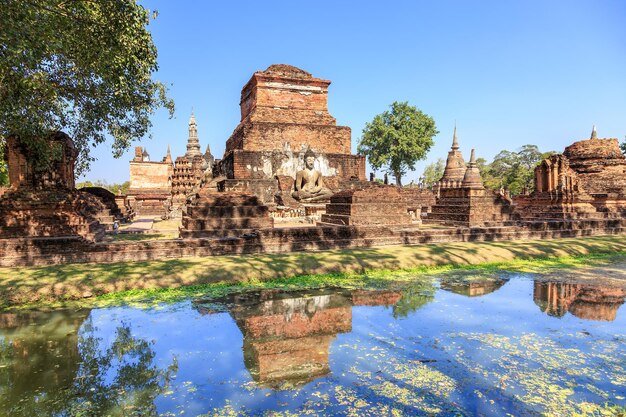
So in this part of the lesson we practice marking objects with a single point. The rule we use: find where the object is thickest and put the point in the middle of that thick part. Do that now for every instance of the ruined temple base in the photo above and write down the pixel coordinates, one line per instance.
(51, 213)
(368, 206)
(215, 214)
(551, 206)
(470, 208)
(29, 252)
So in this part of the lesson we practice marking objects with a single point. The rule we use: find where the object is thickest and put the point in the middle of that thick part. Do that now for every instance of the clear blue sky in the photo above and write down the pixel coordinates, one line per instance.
(508, 72)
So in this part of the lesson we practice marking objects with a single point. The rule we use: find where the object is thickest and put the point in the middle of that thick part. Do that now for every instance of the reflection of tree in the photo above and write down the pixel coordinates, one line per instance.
(121, 380)
(49, 367)
(38, 360)
(414, 297)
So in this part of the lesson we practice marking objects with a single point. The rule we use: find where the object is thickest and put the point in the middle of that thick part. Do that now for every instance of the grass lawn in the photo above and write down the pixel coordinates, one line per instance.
(49, 286)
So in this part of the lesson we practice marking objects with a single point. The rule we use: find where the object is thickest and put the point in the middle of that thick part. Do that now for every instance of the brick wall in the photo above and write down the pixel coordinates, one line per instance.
(150, 175)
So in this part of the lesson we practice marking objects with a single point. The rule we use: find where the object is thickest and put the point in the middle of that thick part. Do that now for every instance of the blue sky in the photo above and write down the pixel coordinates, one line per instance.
(508, 72)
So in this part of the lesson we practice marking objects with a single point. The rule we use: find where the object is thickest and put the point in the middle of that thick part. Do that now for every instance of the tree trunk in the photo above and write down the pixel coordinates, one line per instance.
(398, 179)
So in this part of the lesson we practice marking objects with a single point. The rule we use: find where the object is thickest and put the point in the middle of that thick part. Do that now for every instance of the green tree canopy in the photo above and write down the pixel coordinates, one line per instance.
(433, 172)
(114, 188)
(4, 174)
(513, 170)
(395, 140)
(83, 67)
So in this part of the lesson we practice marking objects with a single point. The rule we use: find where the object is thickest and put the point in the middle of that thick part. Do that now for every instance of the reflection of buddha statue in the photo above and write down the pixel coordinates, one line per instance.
(309, 186)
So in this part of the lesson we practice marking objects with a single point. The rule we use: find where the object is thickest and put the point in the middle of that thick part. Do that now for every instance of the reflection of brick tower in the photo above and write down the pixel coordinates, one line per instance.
(287, 336)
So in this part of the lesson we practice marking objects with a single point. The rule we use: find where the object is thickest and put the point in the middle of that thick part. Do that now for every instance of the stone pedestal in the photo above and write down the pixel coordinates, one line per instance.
(368, 206)
(216, 214)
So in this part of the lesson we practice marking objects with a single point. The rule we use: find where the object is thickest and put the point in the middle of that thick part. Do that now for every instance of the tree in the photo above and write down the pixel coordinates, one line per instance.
(513, 170)
(623, 146)
(433, 172)
(4, 171)
(80, 66)
(395, 140)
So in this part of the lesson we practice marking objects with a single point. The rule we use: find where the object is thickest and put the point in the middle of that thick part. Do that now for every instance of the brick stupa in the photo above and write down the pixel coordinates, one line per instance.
(462, 200)
(284, 112)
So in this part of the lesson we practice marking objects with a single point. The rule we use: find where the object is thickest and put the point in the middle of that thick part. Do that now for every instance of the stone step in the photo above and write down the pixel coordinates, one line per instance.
(227, 211)
(189, 223)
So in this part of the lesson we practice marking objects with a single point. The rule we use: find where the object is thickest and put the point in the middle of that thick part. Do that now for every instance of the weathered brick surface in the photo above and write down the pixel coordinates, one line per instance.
(558, 194)
(368, 206)
(470, 207)
(284, 103)
(268, 165)
(284, 112)
(220, 214)
(150, 184)
(268, 136)
(28, 251)
(44, 204)
(601, 168)
(23, 174)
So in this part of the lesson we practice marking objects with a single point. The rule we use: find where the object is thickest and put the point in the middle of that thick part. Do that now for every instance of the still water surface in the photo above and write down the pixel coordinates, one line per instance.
(508, 345)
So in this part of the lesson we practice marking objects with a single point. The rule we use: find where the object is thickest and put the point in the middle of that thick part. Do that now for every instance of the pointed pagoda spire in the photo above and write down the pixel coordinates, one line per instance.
(455, 165)
(472, 178)
(594, 133)
(168, 155)
(193, 144)
(455, 141)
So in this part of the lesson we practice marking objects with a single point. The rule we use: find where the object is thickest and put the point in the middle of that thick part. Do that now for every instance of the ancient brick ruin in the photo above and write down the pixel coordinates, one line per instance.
(382, 205)
(161, 188)
(587, 181)
(150, 183)
(287, 336)
(44, 203)
(190, 169)
(284, 113)
(461, 198)
(216, 214)
(288, 162)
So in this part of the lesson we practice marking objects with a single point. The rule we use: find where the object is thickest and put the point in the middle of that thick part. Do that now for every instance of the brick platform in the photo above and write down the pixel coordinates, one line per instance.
(368, 206)
(231, 214)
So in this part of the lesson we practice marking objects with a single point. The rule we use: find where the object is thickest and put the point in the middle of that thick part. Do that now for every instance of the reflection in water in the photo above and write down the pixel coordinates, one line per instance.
(39, 359)
(474, 288)
(287, 335)
(583, 301)
(54, 364)
(328, 352)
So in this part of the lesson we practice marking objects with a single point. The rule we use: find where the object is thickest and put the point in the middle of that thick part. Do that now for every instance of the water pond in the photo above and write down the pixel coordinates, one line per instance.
(509, 344)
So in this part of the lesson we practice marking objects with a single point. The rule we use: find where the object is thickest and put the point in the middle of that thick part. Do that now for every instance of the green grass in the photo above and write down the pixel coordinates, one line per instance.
(173, 279)
(371, 280)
